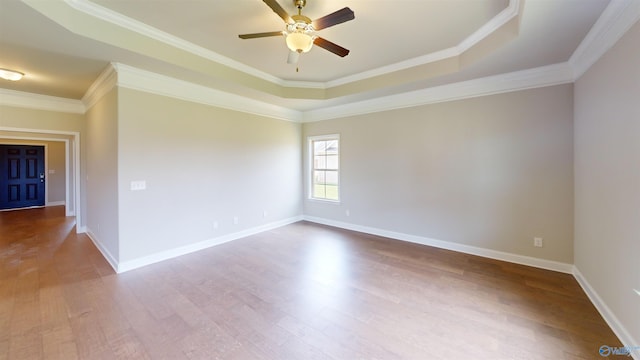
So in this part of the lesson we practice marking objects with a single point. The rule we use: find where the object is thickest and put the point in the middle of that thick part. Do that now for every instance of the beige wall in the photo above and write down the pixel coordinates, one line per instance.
(40, 119)
(607, 186)
(56, 172)
(201, 165)
(491, 172)
(55, 160)
(102, 174)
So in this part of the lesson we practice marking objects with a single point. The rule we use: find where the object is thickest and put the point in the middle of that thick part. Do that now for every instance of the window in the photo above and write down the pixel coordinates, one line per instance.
(325, 158)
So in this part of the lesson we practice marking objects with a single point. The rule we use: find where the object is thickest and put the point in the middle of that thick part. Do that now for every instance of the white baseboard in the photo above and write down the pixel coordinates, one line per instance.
(183, 250)
(56, 203)
(600, 305)
(608, 315)
(613, 322)
(467, 249)
(105, 253)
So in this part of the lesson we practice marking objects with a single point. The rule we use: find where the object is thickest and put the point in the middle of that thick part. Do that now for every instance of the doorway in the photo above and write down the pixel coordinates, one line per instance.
(71, 140)
(22, 176)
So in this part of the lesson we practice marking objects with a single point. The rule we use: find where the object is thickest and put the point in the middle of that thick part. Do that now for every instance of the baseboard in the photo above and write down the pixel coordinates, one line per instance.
(467, 249)
(56, 203)
(187, 249)
(600, 305)
(105, 253)
(23, 208)
(608, 315)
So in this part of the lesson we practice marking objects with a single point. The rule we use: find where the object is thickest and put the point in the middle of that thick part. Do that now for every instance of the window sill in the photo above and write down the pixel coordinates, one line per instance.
(324, 201)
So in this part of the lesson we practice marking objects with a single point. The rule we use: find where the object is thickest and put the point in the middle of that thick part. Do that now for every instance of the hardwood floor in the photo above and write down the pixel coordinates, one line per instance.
(303, 291)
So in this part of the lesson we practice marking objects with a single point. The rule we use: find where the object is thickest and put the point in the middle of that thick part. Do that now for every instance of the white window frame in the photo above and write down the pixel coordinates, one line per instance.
(311, 168)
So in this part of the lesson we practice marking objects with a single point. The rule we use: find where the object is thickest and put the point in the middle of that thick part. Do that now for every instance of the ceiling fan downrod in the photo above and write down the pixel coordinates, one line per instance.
(300, 4)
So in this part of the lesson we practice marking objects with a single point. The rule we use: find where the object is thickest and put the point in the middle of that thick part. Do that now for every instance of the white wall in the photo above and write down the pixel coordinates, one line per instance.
(607, 182)
(491, 172)
(102, 175)
(201, 165)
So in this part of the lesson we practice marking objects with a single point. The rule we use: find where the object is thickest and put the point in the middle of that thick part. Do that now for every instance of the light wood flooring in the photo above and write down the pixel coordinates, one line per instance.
(303, 291)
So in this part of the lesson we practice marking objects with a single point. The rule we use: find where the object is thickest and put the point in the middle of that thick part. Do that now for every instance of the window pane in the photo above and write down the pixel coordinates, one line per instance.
(331, 162)
(319, 191)
(319, 162)
(331, 192)
(319, 147)
(331, 177)
(324, 168)
(319, 177)
(332, 146)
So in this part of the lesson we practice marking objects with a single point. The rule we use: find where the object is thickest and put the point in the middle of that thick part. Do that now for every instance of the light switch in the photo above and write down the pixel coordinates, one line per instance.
(138, 185)
(52, 171)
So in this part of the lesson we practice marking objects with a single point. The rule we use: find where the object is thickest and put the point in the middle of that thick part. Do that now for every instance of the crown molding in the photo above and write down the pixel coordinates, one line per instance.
(142, 80)
(512, 10)
(146, 81)
(40, 102)
(617, 18)
(128, 23)
(106, 81)
(551, 75)
(615, 21)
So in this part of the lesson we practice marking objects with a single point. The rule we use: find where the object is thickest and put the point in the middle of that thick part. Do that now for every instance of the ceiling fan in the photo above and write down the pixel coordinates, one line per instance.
(300, 31)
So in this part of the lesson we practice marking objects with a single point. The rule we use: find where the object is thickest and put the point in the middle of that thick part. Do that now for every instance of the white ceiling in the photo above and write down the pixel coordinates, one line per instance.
(63, 46)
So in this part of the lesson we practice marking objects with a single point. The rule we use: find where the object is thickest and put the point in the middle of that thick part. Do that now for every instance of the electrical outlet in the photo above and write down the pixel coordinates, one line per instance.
(265, 213)
(215, 225)
(348, 213)
(236, 220)
(138, 185)
(537, 242)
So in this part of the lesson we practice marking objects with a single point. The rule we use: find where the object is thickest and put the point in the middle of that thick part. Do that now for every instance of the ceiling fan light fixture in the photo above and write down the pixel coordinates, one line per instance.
(10, 75)
(299, 42)
(300, 36)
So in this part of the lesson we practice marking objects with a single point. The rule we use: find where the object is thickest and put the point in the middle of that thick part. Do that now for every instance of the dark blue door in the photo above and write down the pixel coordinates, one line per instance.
(21, 176)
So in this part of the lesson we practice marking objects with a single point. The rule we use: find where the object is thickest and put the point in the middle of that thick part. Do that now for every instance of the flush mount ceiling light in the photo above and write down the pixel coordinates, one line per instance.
(300, 32)
(10, 74)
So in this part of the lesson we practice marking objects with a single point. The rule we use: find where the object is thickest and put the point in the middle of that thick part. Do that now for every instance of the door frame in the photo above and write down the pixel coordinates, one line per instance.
(72, 165)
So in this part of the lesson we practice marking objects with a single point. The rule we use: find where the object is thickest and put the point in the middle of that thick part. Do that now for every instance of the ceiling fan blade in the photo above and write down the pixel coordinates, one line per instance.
(334, 48)
(260, 35)
(293, 57)
(334, 18)
(273, 4)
